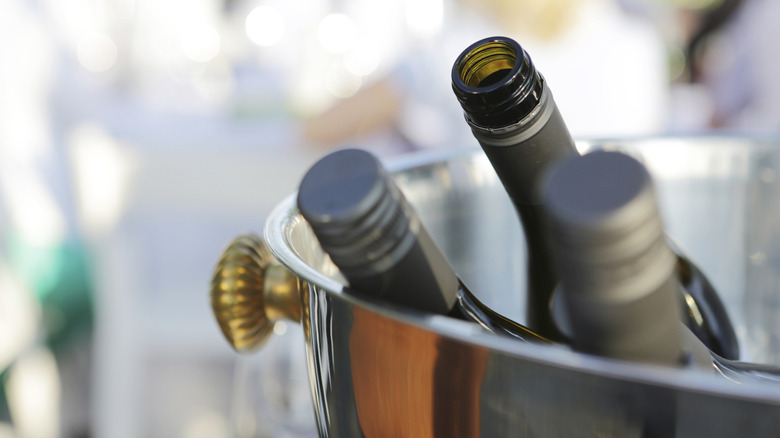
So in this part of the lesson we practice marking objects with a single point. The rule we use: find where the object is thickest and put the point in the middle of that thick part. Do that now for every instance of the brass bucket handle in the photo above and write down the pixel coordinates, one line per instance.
(251, 291)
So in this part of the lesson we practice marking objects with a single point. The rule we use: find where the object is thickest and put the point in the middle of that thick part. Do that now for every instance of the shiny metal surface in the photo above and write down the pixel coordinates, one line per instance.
(250, 291)
(380, 371)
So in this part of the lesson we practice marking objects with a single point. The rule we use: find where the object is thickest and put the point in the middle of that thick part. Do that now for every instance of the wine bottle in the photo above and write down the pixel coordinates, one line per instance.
(512, 114)
(617, 273)
(619, 281)
(373, 235)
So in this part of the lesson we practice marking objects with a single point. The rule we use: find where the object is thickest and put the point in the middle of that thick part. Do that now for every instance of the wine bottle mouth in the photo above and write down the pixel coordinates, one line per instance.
(496, 83)
(487, 64)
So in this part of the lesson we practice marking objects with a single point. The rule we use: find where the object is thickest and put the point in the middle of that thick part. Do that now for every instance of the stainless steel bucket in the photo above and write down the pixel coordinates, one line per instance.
(386, 372)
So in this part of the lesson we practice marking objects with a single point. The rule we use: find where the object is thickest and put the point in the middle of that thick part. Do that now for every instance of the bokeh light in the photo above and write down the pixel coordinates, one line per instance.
(424, 17)
(265, 25)
(96, 52)
(340, 82)
(200, 43)
(362, 60)
(337, 33)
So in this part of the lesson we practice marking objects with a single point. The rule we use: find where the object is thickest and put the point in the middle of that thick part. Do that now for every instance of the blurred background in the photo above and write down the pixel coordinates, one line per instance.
(137, 137)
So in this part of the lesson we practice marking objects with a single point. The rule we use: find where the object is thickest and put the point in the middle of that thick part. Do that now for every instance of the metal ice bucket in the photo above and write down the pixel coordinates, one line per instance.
(378, 371)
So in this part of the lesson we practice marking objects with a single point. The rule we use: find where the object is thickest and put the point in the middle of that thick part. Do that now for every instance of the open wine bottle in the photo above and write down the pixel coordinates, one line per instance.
(512, 114)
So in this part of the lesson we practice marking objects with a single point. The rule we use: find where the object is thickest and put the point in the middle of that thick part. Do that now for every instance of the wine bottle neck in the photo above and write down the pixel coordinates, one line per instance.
(371, 232)
(496, 83)
(617, 272)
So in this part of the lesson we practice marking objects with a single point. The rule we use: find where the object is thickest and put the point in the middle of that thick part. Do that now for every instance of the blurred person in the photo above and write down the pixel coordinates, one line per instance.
(607, 70)
(606, 67)
(39, 245)
(734, 53)
(19, 319)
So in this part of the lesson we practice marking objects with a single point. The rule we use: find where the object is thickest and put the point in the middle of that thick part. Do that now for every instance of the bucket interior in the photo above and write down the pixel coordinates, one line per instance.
(719, 198)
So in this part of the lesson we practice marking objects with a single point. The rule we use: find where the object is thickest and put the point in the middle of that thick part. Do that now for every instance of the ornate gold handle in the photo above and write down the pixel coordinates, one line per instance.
(250, 291)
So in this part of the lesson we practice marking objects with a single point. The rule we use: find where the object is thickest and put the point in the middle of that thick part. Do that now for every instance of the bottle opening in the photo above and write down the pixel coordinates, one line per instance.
(487, 64)
(496, 83)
